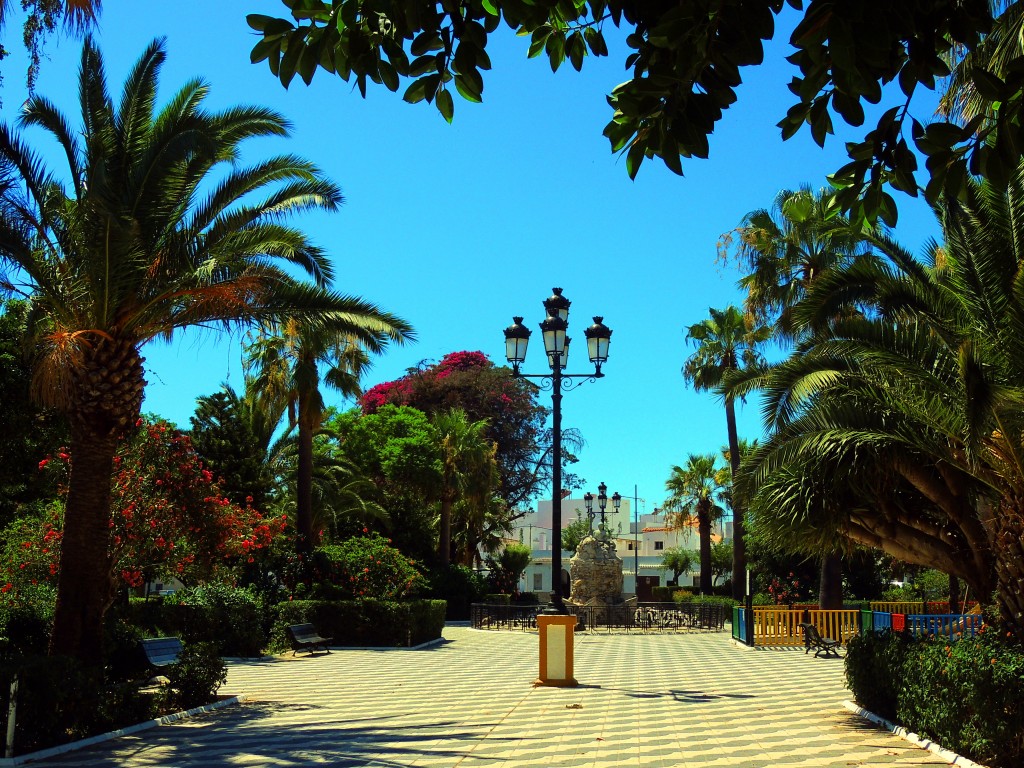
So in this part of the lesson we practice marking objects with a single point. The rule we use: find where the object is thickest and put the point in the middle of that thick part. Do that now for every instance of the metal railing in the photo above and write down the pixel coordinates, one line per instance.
(638, 617)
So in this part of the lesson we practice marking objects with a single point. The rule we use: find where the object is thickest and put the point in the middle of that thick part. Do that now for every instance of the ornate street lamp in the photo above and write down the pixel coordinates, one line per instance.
(588, 500)
(556, 347)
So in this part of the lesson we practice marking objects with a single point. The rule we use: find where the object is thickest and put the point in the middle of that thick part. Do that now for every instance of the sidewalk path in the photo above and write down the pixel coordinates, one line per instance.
(646, 701)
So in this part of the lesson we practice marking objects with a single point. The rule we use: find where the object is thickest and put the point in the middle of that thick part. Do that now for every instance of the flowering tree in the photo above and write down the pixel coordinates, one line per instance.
(368, 566)
(168, 516)
(515, 421)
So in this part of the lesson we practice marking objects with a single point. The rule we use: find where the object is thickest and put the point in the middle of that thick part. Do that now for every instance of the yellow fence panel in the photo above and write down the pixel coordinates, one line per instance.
(777, 626)
(781, 626)
(897, 607)
(837, 625)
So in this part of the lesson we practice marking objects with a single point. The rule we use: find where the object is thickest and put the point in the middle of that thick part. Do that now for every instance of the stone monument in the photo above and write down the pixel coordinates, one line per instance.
(596, 580)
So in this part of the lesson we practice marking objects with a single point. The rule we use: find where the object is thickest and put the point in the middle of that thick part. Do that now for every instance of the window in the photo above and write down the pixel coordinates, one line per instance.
(538, 582)
(659, 545)
(631, 546)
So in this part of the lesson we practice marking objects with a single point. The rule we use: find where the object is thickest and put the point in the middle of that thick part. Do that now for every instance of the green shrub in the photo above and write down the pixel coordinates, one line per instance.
(682, 596)
(498, 598)
(763, 599)
(60, 701)
(967, 696)
(232, 619)
(368, 566)
(195, 679)
(527, 598)
(458, 585)
(371, 623)
(874, 666)
(662, 594)
(25, 624)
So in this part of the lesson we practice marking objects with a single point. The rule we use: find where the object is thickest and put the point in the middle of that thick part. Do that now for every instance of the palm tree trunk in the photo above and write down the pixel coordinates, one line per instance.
(84, 585)
(704, 531)
(444, 539)
(739, 546)
(304, 482)
(1008, 549)
(830, 587)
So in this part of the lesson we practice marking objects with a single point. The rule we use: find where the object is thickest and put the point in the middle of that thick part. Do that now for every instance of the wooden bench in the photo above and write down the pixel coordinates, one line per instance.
(305, 637)
(161, 651)
(813, 639)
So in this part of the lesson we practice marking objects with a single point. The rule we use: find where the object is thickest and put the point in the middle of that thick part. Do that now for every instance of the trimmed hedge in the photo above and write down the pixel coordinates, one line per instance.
(373, 623)
(681, 596)
(966, 695)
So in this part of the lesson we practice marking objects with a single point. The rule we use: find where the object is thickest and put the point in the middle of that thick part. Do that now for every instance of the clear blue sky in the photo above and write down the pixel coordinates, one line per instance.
(457, 228)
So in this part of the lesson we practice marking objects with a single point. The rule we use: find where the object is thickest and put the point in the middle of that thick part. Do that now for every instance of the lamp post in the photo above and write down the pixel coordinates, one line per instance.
(556, 346)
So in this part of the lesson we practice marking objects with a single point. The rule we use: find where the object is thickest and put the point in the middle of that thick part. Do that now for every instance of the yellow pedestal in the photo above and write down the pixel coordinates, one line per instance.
(556, 644)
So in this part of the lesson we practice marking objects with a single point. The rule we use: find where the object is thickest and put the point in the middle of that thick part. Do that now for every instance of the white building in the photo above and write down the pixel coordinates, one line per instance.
(640, 544)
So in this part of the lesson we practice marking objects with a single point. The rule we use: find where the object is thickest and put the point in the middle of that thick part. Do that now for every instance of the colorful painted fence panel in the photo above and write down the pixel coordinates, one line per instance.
(781, 626)
(897, 607)
(945, 625)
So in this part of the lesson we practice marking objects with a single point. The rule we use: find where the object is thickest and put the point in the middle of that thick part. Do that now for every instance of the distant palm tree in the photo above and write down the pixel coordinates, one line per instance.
(140, 241)
(468, 472)
(286, 359)
(695, 492)
(726, 345)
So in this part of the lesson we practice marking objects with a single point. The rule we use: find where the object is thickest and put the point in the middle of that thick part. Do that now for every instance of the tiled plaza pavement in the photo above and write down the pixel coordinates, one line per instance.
(648, 701)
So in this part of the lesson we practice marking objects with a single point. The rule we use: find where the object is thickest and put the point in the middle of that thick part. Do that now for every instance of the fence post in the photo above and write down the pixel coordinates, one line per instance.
(750, 619)
(12, 711)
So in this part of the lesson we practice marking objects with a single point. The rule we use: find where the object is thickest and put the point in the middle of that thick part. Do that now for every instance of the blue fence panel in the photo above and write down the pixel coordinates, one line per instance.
(881, 620)
(945, 625)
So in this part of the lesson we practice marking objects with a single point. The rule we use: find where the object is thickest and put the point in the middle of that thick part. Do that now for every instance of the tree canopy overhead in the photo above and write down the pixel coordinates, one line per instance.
(686, 63)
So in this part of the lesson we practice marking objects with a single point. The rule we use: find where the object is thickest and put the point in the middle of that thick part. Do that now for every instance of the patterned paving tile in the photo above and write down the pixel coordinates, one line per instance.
(646, 701)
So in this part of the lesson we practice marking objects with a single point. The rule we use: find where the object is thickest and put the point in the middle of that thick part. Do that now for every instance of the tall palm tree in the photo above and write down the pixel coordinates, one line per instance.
(784, 251)
(696, 491)
(286, 359)
(157, 227)
(909, 420)
(726, 345)
(468, 473)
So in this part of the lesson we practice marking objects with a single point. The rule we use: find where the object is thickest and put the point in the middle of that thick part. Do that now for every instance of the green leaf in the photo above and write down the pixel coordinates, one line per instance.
(467, 88)
(490, 8)
(416, 92)
(445, 105)
(263, 49)
(556, 50)
(634, 157)
(988, 85)
(388, 75)
(426, 41)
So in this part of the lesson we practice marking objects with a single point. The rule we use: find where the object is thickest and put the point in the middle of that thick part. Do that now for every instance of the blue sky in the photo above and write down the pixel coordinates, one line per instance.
(458, 227)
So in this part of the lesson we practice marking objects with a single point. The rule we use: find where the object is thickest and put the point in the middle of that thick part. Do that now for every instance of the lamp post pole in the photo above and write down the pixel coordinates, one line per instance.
(556, 346)
(557, 606)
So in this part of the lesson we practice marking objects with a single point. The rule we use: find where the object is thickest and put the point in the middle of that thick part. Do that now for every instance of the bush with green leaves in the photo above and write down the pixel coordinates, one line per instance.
(968, 696)
(61, 701)
(361, 623)
(684, 597)
(368, 566)
(874, 666)
(460, 586)
(965, 694)
(196, 677)
(231, 618)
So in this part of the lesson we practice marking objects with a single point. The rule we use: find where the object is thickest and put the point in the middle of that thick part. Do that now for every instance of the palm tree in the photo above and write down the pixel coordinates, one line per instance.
(695, 491)
(726, 345)
(784, 251)
(144, 241)
(902, 430)
(286, 359)
(468, 473)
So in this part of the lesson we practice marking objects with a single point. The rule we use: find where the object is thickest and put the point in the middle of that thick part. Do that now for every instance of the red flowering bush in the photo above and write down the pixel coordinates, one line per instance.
(167, 517)
(787, 591)
(369, 567)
